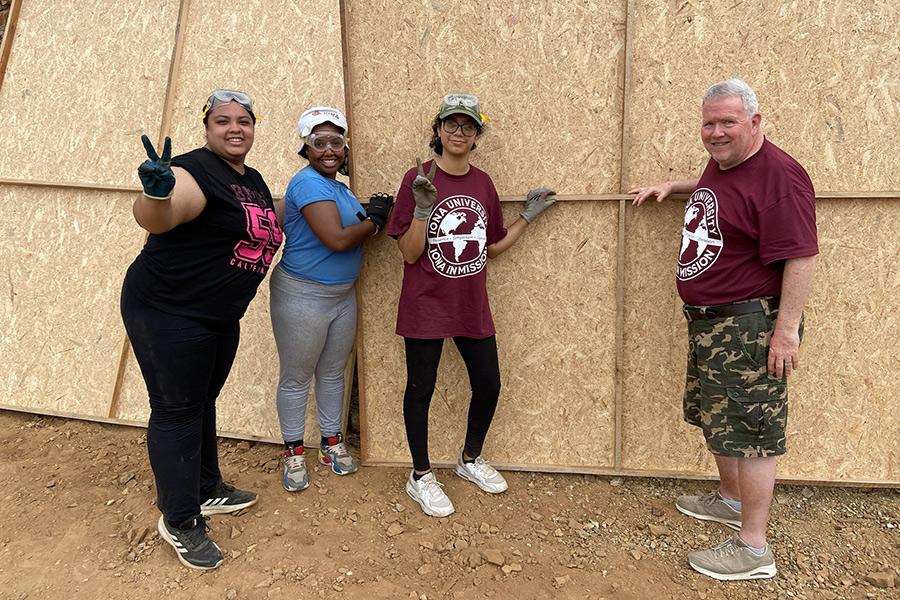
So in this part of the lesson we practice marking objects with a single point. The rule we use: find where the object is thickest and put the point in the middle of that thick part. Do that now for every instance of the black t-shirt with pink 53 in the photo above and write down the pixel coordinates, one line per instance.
(741, 224)
(210, 267)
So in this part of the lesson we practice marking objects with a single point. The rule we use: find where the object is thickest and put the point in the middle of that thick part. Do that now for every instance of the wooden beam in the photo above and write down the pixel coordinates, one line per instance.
(12, 19)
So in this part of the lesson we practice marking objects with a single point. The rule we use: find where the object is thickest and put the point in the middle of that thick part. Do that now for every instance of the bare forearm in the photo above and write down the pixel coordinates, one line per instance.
(156, 216)
(412, 243)
(347, 238)
(513, 233)
(795, 285)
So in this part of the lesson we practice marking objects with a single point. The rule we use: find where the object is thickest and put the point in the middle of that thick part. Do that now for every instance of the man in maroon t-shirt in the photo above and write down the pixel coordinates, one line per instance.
(747, 255)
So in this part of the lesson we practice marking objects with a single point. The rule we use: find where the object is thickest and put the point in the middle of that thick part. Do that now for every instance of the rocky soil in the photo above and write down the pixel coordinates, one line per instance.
(79, 521)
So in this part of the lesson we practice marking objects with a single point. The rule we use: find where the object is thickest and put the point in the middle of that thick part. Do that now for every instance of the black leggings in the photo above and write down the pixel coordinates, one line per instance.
(422, 360)
(184, 363)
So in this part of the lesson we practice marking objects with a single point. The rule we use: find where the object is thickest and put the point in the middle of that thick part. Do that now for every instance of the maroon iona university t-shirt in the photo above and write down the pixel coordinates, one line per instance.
(741, 224)
(444, 293)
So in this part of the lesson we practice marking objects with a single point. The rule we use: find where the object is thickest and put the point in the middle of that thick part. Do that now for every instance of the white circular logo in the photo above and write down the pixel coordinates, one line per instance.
(701, 239)
(457, 237)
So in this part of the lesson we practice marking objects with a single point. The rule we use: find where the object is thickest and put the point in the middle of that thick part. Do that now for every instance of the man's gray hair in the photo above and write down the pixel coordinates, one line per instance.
(734, 87)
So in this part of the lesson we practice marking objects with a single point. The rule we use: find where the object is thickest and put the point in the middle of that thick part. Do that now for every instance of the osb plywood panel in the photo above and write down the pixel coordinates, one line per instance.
(246, 406)
(843, 422)
(285, 53)
(826, 75)
(64, 256)
(553, 300)
(548, 75)
(84, 80)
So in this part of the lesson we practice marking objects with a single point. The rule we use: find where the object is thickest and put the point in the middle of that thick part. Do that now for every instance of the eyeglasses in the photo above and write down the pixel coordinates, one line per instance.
(322, 141)
(224, 96)
(468, 128)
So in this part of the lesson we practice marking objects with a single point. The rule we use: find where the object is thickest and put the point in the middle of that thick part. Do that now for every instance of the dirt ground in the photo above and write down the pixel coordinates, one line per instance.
(79, 521)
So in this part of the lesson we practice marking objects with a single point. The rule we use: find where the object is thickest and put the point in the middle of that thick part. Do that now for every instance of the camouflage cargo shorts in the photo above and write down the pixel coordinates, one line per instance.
(729, 393)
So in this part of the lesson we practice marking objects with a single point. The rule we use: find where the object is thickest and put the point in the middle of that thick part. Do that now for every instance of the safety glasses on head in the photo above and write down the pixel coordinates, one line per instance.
(462, 104)
(324, 140)
(223, 96)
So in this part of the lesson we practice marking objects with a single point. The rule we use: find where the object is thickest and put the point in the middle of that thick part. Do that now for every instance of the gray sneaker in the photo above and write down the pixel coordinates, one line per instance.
(709, 507)
(732, 560)
(295, 478)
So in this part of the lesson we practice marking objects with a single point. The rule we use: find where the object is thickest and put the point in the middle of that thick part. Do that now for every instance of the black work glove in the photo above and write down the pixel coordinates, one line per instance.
(379, 209)
(156, 175)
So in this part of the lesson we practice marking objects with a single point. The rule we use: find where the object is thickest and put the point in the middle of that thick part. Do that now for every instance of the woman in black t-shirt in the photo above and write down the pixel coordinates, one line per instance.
(213, 233)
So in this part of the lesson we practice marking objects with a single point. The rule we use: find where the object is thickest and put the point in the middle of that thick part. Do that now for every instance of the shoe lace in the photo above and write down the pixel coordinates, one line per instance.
(432, 489)
(483, 468)
(339, 449)
(197, 536)
(709, 499)
(726, 548)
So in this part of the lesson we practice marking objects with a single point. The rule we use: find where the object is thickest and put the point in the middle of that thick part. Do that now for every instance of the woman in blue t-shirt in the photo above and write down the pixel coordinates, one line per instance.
(313, 300)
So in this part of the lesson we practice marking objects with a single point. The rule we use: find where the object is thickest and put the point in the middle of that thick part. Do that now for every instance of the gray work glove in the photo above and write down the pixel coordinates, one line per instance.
(424, 192)
(536, 202)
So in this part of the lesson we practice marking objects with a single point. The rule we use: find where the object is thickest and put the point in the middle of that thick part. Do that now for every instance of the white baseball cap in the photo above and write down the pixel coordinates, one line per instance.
(316, 116)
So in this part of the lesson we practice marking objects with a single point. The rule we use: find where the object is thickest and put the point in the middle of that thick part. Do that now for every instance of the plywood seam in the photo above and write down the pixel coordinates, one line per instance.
(163, 130)
(175, 63)
(855, 195)
(620, 243)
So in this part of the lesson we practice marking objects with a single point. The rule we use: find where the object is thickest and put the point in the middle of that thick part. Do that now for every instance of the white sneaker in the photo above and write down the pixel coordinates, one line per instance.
(428, 493)
(481, 474)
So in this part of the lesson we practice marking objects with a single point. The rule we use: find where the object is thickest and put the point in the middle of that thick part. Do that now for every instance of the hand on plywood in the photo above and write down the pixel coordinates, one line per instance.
(537, 202)
(660, 190)
(424, 192)
(155, 173)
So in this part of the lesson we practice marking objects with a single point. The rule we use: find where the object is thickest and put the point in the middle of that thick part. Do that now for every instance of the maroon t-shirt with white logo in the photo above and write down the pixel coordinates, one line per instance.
(445, 292)
(741, 224)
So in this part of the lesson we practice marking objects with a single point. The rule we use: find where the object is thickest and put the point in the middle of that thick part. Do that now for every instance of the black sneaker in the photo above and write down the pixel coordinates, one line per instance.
(227, 499)
(192, 546)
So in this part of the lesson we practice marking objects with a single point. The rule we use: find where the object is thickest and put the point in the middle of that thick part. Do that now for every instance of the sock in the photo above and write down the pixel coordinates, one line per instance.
(734, 504)
(754, 549)
(418, 476)
(331, 440)
(468, 461)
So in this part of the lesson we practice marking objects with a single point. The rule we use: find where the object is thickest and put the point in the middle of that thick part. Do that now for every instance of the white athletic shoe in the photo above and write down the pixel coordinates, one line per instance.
(481, 474)
(428, 493)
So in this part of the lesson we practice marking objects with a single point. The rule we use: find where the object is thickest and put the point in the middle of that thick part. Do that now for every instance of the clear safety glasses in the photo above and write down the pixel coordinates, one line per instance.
(322, 141)
(223, 96)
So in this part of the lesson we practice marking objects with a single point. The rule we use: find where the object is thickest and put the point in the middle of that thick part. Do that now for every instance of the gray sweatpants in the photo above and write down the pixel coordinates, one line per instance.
(314, 326)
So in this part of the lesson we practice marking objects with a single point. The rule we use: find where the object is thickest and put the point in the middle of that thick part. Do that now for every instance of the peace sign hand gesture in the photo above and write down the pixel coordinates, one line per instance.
(424, 192)
(155, 173)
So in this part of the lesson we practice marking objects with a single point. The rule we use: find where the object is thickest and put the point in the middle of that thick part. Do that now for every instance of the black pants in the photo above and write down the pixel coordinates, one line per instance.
(422, 360)
(184, 363)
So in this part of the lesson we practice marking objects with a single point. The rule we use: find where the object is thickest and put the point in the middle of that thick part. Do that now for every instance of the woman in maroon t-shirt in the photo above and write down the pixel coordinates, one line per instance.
(448, 222)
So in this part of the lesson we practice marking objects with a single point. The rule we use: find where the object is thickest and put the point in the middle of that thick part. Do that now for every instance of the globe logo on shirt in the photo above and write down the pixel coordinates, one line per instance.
(457, 236)
(701, 238)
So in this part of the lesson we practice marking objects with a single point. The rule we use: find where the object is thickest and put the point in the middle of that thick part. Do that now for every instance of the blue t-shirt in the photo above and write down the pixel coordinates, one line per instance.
(305, 256)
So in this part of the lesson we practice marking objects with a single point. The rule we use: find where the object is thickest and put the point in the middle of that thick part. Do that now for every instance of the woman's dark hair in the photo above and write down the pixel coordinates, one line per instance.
(435, 142)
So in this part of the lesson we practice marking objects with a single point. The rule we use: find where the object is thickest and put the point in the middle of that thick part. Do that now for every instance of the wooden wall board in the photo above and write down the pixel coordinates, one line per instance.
(246, 406)
(549, 76)
(826, 78)
(285, 53)
(84, 81)
(553, 300)
(843, 424)
(65, 254)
